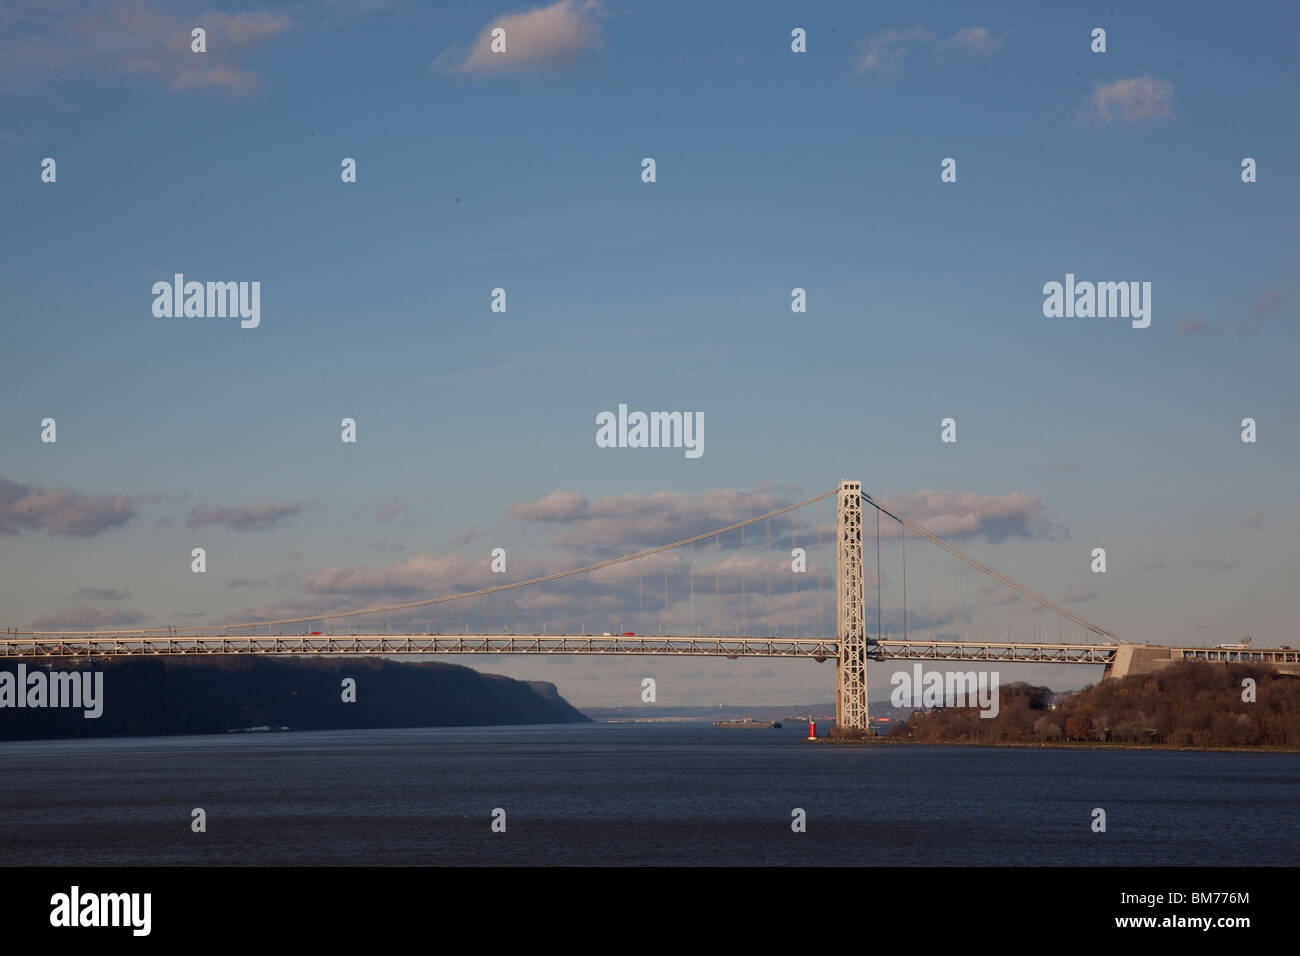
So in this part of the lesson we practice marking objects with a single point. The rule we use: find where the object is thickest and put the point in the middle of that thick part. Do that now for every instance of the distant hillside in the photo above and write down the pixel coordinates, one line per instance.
(145, 696)
(1188, 704)
(705, 712)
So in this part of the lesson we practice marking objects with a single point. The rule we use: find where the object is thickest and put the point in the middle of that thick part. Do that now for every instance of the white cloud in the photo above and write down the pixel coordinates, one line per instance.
(973, 41)
(953, 514)
(45, 41)
(559, 505)
(545, 38)
(424, 574)
(883, 52)
(620, 523)
(258, 516)
(59, 511)
(1132, 100)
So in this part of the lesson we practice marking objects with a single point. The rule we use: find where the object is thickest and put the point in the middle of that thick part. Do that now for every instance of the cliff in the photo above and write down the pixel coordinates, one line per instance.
(145, 696)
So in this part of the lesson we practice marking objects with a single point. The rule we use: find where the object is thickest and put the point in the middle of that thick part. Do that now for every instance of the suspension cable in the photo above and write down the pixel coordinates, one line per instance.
(476, 593)
(1032, 595)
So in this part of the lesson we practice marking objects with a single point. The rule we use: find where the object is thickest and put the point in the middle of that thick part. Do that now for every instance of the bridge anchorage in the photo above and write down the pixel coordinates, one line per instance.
(851, 645)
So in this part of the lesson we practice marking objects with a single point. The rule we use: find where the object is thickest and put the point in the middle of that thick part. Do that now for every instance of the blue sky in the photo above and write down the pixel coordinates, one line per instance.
(774, 170)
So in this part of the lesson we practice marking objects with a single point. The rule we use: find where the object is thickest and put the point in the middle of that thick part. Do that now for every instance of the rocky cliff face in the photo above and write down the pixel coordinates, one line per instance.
(182, 695)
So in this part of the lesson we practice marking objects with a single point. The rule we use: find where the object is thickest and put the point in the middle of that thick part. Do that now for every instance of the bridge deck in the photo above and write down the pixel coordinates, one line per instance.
(103, 644)
(1025, 652)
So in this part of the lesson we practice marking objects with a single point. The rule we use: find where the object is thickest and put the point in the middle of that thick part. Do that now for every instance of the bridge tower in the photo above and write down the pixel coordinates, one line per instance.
(850, 612)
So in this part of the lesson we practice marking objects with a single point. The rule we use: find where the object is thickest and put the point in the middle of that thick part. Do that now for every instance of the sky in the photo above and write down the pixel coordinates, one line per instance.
(523, 171)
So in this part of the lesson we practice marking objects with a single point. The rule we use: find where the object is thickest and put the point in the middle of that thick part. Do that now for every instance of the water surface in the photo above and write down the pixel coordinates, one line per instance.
(632, 794)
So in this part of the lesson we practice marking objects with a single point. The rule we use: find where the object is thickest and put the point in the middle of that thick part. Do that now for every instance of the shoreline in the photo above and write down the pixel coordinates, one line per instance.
(1025, 745)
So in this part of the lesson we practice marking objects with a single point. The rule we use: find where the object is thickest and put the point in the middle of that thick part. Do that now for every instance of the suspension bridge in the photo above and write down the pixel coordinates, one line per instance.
(565, 624)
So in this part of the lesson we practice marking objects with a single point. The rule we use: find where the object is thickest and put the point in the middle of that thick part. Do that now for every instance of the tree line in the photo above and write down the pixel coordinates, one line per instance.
(1188, 704)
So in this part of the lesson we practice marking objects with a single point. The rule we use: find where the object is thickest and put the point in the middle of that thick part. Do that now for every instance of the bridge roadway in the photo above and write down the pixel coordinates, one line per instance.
(129, 644)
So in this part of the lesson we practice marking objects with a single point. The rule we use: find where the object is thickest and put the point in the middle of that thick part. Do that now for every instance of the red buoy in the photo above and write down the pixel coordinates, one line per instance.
(812, 730)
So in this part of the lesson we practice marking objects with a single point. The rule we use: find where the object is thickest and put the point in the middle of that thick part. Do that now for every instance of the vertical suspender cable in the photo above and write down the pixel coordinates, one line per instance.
(744, 620)
(717, 585)
(821, 610)
(880, 609)
(906, 622)
(767, 577)
(965, 620)
(794, 578)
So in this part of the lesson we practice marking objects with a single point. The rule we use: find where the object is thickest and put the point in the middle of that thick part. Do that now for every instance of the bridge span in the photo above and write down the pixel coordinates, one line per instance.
(852, 645)
(98, 644)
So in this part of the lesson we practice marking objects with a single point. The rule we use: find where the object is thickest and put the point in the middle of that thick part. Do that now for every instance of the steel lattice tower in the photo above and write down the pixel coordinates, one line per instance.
(850, 612)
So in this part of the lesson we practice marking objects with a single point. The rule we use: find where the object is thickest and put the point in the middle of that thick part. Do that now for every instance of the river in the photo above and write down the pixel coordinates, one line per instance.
(632, 794)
